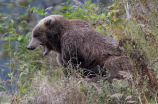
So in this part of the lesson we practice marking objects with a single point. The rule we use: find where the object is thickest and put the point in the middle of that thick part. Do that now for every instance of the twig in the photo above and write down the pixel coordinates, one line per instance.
(127, 10)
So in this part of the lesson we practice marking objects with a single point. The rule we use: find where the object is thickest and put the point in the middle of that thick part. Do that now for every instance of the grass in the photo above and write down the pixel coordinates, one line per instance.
(133, 24)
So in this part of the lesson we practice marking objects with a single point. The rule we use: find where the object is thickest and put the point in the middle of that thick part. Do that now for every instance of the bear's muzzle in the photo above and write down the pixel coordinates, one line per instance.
(30, 48)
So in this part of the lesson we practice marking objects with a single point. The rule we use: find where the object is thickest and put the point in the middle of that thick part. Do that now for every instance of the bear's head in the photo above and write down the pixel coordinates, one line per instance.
(47, 33)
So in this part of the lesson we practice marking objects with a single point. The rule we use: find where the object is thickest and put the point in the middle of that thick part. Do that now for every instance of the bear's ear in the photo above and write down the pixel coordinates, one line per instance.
(49, 21)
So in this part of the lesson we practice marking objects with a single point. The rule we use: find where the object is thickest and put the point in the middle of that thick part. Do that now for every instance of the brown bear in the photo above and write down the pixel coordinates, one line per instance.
(77, 43)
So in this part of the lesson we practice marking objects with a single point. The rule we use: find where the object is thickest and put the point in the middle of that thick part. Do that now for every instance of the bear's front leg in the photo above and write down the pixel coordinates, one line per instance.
(59, 59)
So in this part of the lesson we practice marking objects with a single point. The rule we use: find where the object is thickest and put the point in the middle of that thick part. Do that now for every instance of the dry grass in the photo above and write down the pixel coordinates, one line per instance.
(59, 91)
(4, 97)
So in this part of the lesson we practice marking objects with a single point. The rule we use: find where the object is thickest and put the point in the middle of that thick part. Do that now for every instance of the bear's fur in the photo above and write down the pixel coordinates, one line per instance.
(77, 43)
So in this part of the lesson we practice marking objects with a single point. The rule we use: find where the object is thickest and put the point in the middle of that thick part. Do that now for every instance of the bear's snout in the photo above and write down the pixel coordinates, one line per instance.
(30, 47)
(33, 44)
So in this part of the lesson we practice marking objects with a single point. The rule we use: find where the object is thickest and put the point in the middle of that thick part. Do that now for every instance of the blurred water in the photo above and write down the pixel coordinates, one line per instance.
(13, 7)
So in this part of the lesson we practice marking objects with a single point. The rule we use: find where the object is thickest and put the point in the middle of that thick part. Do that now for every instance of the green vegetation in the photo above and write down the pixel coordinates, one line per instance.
(133, 24)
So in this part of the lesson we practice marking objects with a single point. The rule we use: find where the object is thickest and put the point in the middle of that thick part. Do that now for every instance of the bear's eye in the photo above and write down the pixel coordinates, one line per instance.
(36, 35)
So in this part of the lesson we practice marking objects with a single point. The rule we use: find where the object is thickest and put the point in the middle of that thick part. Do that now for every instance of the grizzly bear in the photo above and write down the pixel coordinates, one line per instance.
(76, 43)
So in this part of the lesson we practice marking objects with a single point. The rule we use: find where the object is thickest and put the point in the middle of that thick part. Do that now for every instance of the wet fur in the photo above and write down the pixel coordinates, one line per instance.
(76, 42)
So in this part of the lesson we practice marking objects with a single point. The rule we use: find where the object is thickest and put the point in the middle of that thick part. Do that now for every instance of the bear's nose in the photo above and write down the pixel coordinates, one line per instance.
(30, 48)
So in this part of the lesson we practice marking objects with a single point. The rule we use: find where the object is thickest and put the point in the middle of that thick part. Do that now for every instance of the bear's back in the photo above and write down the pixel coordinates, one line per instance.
(92, 46)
